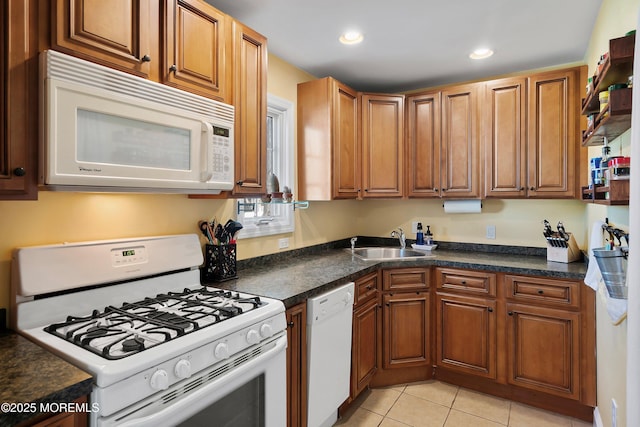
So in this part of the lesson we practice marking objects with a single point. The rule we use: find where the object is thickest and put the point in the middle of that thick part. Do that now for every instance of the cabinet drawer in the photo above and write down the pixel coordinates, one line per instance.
(402, 279)
(366, 288)
(471, 282)
(543, 291)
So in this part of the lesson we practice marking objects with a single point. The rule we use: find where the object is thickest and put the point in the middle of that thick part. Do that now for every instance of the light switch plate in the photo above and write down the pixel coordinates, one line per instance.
(283, 243)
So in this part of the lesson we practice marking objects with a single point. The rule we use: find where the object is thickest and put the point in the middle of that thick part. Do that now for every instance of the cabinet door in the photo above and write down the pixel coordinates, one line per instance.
(423, 145)
(18, 101)
(504, 138)
(406, 330)
(543, 349)
(552, 137)
(115, 33)
(250, 100)
(197, 41)
(466, 334)
(382, 145)
(297, 365)
(347, 173)
(364, 353)
(460, 141)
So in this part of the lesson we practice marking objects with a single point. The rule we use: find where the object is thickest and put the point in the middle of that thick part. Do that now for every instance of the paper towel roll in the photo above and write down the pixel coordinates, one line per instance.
(463, 206)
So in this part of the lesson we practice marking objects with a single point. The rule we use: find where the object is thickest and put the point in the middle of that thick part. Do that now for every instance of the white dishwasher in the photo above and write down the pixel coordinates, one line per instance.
(329, 319)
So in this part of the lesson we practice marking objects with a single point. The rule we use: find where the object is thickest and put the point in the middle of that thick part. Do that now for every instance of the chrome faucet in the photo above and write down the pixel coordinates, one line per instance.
(353, 243)
(401, 237)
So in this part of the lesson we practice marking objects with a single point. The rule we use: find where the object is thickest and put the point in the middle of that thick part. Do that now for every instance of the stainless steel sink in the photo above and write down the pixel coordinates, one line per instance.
(382, 253)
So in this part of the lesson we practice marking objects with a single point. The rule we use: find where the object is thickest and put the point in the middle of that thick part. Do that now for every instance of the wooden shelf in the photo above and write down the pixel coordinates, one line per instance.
(616, 193)
(612, 121)
(617, 69)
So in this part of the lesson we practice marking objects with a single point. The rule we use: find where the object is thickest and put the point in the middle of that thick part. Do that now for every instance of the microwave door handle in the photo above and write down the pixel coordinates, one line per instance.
(206, 152)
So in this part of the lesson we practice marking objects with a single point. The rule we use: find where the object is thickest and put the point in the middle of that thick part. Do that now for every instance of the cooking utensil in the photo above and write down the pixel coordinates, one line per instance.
(231, 228)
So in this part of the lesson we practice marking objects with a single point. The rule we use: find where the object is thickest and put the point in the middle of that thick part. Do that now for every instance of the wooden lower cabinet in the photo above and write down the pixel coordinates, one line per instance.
(543, 349)
(66, 419)
(297, 365)
(405, 341)
(466, 331)
(364, 359)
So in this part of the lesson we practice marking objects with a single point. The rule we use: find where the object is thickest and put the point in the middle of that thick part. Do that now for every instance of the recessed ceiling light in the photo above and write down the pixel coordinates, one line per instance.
(481, 53)
(351, 37)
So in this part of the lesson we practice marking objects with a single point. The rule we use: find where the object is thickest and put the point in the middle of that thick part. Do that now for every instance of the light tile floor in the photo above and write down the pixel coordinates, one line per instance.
(437, 404)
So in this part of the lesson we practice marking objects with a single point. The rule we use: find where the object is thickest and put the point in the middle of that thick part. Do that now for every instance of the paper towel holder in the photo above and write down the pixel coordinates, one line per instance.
(462, 206)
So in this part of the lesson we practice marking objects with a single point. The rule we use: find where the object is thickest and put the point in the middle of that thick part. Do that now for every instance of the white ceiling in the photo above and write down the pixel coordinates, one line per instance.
(412, 44)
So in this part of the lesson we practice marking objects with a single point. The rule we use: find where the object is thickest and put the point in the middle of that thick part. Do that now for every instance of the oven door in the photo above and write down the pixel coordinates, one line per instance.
(249, 390)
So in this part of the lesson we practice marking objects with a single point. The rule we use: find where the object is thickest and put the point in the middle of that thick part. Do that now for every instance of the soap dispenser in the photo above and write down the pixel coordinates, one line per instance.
(419, 235)
(429, 236)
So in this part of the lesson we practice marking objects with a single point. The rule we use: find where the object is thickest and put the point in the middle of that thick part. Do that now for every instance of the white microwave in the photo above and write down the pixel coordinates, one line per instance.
(106, 130)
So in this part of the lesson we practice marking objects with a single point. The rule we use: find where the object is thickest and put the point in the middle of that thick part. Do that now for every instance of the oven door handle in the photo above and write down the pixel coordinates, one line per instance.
(197, 400)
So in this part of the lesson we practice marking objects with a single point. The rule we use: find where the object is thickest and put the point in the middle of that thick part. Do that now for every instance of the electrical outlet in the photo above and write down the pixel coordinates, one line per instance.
(414, 227)
(614, 412)
(283, 243)
(491, 231)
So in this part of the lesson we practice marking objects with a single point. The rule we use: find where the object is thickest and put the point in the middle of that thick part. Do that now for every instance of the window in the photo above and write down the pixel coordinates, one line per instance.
(264, 219)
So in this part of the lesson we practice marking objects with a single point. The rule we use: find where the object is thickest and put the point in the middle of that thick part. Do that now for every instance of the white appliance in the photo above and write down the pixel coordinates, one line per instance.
(106, 130)
(163, 349)
(329, 320)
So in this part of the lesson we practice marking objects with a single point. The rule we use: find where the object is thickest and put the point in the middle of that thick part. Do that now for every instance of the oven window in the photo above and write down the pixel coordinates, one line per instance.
(243, 407)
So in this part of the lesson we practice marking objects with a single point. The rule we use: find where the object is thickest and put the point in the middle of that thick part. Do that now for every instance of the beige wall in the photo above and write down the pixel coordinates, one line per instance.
(616, 18)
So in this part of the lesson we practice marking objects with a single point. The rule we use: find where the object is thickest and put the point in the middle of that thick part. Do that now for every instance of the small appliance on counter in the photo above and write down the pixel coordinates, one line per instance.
(561, 245)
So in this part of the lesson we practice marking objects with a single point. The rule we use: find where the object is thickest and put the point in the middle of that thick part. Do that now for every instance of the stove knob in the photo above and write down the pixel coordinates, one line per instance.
(253, 337)
(266, 330)
(159, 380)
(183, 369)
(221, 351)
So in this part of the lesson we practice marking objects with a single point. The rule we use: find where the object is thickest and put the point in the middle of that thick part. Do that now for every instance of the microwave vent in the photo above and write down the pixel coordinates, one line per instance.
(64, 67)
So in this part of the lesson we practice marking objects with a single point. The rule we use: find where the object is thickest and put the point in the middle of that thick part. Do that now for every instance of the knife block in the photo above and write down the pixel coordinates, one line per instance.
(569, 254)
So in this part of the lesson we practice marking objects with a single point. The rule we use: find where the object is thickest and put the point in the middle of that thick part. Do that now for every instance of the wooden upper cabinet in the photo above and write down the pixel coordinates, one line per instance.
(250, 100)
(553, 134)
(423, 145)
(114, 33)
(196, 49)
(18, 101)
(329, 159)
(504, 137)
(382, 145)
(460, 141)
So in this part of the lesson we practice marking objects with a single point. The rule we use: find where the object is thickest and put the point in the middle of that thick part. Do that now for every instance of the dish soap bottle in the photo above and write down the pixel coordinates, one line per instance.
(429, 237)
(419, 235)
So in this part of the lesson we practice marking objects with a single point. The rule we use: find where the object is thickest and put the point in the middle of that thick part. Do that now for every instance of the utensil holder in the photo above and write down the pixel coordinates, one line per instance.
(559, 250)
(220, 263)
(613, 267)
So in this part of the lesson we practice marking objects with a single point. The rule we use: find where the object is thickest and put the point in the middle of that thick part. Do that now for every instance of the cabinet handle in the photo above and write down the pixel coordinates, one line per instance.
(490, 309)
(540, 292)
(510, 313)
(290, 324)
(19, 171)
(239, 182)
(368, 287)
(145, 58)
(532, 188)
(435, 189)
(444, 189)
(173, 68)
(387, 304)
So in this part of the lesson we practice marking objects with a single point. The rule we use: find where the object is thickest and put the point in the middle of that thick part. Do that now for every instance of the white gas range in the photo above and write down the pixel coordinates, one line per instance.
(162, 348)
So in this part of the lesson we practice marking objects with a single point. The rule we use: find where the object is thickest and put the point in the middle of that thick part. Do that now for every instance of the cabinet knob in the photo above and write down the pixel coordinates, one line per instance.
(290, 324)
(532, 188)
(366, 190)
(510, 313)
(540, 292)
(145, 58)
(444, 189)
(435, 189)
(239, 182)
(464, 282)
(368, 287)
(173, 68)
(19, 171)
(520, 188)
(490, 309)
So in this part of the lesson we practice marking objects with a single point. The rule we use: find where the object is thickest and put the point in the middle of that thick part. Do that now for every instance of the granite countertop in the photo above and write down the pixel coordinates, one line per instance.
(295, 278)
(32, 375)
